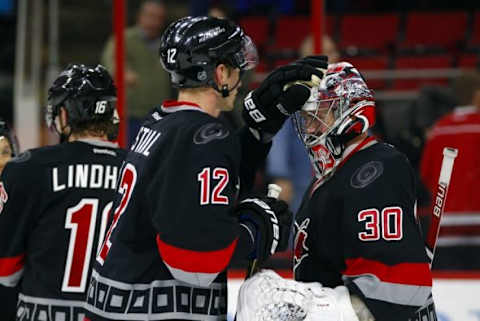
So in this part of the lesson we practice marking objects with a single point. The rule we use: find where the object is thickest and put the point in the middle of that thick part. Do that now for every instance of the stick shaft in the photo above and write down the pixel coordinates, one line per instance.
(440, 198)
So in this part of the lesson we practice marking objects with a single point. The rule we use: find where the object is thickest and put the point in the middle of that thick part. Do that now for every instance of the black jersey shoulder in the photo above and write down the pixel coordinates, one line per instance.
(376, 165)
(32, 163)
(194, 130)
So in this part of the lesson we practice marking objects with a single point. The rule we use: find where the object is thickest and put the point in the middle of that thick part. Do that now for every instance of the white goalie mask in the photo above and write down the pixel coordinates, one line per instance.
(338, 110)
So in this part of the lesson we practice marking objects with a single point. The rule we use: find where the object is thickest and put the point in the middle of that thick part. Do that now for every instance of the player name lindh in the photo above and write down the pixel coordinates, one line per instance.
(84, 176)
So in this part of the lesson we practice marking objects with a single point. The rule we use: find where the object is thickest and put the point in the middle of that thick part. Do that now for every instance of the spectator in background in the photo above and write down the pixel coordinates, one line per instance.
(458, 244)
(146, 82)
(219, 10)
(288, 164)
(432, 103)
(329, 48)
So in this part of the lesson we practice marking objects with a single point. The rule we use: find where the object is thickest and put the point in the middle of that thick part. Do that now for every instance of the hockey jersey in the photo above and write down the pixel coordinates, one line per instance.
(173, 233)
(54, 208)
(359, 229)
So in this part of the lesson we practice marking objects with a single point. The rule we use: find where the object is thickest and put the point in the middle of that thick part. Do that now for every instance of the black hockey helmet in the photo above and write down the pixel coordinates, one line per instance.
(6, 131)
(192, 47)
(88, 95)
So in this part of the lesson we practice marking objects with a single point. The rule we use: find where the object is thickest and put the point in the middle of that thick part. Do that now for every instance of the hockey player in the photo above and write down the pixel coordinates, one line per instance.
(8, 144)
(176, 224)
(8, 149)
(55, 200)
(356, 231)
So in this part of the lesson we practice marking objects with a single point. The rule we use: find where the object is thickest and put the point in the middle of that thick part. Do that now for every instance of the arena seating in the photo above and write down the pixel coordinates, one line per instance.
(373, 63)
(439, 30)
(388, 41)
(423, 62)
(374, 32)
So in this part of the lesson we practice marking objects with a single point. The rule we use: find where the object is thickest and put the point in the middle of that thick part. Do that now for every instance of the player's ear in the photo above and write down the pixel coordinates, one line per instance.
(62, 121)
(63, 117)
(222, 73)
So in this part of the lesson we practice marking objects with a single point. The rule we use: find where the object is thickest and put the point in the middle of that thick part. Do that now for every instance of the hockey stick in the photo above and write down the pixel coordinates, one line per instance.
(440, 198)
(274, 192)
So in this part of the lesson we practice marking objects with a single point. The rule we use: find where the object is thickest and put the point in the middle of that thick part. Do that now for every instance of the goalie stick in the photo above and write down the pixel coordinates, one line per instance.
(440, 198)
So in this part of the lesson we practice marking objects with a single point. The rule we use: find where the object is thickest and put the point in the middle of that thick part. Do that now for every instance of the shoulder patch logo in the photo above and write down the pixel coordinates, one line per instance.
(301, 249)
(23, 157)
(209, 132)
(366, 174)
(3, 196)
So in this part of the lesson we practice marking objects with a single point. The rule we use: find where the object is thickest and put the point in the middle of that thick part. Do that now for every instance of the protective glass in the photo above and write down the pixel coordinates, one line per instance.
(247, 57)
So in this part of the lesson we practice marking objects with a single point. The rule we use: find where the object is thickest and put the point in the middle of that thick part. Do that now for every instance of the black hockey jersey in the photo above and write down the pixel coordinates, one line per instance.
(359, 229)
(54, 207)
(173, 233)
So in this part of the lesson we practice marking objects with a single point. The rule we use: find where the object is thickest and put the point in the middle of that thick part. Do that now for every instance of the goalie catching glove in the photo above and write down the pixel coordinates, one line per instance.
(269, 220)
(282, 93)
(268, 297)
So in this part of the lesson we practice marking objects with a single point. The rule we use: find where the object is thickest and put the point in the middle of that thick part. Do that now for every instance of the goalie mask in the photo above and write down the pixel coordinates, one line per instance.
(338, 110)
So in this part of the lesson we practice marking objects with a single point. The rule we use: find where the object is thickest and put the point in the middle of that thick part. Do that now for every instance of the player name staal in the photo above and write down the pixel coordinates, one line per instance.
(84, 176)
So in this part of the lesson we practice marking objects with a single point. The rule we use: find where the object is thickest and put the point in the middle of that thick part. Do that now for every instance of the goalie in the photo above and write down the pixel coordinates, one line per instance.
(357, 236)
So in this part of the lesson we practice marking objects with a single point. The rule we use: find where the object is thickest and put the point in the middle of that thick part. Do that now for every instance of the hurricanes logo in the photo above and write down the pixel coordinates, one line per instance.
(301, 249)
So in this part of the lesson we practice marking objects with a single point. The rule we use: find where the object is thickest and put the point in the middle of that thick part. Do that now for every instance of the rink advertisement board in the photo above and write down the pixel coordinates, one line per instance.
(457, 296)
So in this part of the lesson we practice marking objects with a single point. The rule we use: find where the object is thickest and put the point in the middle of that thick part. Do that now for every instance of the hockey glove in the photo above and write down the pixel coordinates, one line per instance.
(279, 95)
(271, 220)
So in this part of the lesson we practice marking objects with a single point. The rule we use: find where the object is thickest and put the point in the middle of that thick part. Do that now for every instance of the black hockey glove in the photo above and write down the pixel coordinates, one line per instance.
(267, 107)
(270, 220)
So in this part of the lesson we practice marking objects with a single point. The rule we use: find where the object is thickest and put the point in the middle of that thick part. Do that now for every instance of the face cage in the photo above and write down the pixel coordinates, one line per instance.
(317, 138)
(311, 134)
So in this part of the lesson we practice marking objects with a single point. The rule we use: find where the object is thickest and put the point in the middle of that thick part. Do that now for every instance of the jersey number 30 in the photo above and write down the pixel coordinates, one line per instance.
(387, 225)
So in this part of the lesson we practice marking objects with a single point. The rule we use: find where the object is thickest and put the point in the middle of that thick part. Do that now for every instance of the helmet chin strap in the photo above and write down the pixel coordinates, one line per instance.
(224, 90)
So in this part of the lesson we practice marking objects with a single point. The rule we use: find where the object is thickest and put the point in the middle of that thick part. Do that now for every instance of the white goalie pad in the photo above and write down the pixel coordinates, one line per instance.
(268, 297)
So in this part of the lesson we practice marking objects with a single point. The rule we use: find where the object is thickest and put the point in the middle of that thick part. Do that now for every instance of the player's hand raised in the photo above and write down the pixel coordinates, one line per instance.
(271, 219)
(282, 93)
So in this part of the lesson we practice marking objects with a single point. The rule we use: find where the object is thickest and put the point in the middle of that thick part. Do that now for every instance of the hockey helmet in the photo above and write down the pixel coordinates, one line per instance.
(192, 47)
(88, 95)
(338, 110)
